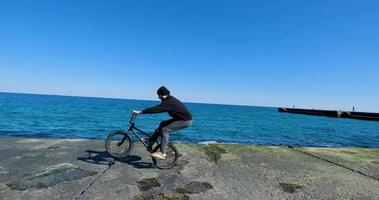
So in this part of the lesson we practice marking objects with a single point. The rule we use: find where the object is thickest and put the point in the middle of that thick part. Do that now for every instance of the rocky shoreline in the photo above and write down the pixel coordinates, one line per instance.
(81, 169)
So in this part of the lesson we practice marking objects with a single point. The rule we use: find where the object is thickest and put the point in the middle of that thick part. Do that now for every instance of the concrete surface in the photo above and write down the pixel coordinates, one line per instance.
(80, 169)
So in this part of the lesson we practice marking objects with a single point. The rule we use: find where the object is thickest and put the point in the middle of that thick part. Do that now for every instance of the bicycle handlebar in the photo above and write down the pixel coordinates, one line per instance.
(134, 116)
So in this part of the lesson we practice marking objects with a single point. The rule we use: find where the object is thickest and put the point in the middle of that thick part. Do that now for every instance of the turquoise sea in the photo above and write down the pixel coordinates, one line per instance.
(28, 115)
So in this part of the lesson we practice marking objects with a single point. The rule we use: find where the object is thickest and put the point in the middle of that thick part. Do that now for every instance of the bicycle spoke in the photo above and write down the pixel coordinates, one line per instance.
(118, 144)
(170, 161)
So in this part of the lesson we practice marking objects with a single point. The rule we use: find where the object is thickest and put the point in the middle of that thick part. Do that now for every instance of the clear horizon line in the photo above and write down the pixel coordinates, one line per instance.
(133, 99)
(191, 102)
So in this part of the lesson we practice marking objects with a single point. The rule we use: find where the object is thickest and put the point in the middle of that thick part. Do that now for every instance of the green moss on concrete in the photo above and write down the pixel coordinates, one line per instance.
(348, 156)
(161, 196)
(144, 196)
(348, 152)
(186, 148)
(13, 186)
(214, 152)
(241, 148)
(358, 153)
(290, 187)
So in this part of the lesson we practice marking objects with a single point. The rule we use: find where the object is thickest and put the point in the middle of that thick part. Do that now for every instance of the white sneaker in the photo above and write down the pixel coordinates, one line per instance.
(158, 155)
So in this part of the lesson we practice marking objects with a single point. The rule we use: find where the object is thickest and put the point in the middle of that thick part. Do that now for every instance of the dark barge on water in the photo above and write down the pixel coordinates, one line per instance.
(333, 113)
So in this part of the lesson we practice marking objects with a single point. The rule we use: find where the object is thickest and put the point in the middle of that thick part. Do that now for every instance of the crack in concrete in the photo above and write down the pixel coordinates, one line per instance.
(334, 163)
(77, 197)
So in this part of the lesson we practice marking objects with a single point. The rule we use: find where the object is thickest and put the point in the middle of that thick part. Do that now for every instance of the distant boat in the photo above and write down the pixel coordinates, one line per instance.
(333, 113)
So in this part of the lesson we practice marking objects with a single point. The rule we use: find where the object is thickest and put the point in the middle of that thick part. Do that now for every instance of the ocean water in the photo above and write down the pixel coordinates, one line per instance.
(27, 115)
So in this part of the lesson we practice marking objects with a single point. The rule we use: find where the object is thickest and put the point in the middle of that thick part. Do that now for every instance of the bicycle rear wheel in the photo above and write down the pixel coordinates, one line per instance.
(118, 144)
(172, 157)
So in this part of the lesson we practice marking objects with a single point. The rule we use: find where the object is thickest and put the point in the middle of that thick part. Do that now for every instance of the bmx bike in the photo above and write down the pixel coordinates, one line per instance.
(119, 144)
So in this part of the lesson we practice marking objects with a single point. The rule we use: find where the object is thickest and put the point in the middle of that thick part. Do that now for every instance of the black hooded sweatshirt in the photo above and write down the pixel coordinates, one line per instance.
(173, 106)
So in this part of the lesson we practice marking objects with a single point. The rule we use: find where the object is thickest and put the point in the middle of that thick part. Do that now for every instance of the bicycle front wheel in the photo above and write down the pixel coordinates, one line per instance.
(172, 157)
(118, 144)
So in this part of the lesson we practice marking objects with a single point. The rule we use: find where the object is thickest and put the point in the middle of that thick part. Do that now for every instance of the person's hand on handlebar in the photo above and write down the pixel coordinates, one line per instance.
(137, 112)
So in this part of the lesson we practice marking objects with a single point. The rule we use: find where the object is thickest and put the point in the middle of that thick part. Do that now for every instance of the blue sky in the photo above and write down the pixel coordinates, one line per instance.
(314, 54)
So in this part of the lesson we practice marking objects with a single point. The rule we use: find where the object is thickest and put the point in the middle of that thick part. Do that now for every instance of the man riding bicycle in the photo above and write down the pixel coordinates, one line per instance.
(181, 118)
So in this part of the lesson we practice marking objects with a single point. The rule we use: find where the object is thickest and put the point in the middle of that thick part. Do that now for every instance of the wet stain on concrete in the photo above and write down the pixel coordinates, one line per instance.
(289, 187)
(149, 193)
(52, 147)
(194, 188)
(49, 177)
(214, 152)
(147, 184)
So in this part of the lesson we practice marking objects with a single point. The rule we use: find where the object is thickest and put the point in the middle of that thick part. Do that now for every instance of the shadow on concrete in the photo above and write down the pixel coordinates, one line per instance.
(103, 158)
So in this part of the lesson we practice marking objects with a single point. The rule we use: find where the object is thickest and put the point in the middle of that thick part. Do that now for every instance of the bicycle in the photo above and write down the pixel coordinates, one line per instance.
(119, 144)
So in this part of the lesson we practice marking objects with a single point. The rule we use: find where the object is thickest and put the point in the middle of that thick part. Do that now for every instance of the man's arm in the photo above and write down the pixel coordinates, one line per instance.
(156, 109)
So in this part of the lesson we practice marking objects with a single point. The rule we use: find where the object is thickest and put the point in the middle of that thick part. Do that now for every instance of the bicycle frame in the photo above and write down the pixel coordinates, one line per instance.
(133, 129)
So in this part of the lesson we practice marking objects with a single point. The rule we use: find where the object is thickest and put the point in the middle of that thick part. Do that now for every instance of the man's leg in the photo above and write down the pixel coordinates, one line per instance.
(158, 131)
(174, 126)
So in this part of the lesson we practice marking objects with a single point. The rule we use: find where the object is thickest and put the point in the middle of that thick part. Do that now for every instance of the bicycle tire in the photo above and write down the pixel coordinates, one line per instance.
(113, 139)
(171, 158)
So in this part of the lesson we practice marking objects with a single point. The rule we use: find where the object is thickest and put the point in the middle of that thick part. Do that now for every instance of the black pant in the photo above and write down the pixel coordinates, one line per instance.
(165, 127)
(158, 131)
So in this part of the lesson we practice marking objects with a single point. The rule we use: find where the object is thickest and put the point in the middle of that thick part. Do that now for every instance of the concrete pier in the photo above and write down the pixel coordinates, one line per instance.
(333, 113)
(81, 169)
